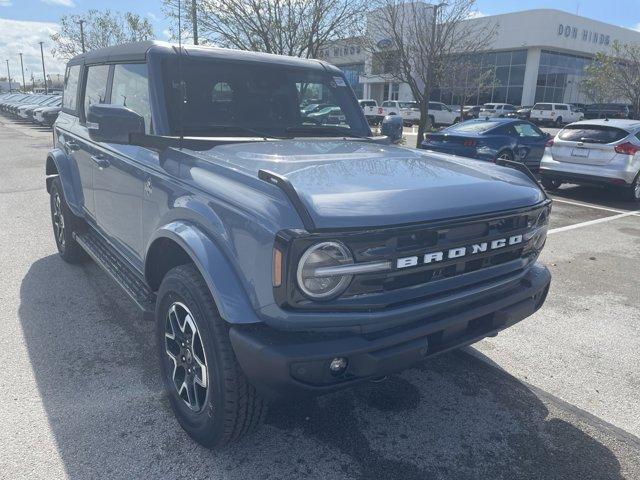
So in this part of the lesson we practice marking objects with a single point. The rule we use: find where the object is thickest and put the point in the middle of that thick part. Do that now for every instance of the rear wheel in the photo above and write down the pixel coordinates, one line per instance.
(65, 223)
(559, 121)
(550, 184)
(505, 155)
(208, 392)
(633, 192)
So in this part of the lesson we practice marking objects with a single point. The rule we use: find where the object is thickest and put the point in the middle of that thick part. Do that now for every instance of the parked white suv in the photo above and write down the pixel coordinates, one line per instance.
(490, 110)
(601, 152)
(440, 113)
(557, 113)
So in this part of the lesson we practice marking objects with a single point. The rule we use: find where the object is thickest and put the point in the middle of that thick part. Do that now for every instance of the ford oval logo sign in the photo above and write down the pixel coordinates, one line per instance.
(384, 43)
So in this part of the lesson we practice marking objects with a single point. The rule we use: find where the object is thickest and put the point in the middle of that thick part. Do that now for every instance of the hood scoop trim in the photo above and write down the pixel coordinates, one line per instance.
(289, 190)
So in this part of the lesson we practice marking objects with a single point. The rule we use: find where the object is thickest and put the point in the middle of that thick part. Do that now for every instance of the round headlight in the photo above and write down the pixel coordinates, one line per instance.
(315, 278)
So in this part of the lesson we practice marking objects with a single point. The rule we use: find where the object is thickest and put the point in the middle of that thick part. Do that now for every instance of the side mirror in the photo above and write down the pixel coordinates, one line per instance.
(392, 128)
(113, 123)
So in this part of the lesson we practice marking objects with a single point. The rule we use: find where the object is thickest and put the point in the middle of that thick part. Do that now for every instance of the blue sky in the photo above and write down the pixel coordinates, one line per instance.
(25, 22)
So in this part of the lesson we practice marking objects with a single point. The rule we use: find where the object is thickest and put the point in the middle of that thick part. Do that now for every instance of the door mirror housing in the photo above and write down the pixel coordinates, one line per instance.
(392, 128)
(113, 123)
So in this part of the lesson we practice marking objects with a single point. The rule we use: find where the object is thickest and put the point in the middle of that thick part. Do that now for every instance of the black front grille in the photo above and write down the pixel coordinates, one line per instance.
(415, 283)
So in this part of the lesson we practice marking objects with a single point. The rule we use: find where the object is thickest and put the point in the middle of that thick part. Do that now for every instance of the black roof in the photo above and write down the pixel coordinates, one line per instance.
(138, 51)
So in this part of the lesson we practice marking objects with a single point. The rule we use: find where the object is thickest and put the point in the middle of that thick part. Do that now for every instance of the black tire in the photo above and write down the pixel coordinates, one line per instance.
(230, 407)
(632, 193)
(559, 121)
(432, 121)
(456, 120)
(550, 184)
(505, 155)
(64, 223)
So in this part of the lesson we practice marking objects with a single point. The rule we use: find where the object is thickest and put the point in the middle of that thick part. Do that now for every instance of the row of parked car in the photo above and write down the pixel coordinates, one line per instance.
(604, 152)
(557, 114)
(38, 108)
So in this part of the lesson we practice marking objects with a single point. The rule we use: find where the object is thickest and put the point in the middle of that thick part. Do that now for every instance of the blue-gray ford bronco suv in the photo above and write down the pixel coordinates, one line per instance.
(280, 253)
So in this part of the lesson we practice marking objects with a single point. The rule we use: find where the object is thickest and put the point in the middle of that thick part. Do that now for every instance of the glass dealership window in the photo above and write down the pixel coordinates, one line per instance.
(559, 77)
(507, 71)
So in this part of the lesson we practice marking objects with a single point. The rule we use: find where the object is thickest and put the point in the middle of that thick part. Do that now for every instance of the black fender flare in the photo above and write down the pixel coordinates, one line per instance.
(59, 165)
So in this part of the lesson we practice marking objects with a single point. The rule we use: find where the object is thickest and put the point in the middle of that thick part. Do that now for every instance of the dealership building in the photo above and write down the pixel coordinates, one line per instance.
(536, 56)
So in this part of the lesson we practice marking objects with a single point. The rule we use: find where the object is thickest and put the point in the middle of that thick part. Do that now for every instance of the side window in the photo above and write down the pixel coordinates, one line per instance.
(70, 93)
(527, 130)
(561, 107)
(386, 104)
(435, 106)
(95, 90)
(131, 89)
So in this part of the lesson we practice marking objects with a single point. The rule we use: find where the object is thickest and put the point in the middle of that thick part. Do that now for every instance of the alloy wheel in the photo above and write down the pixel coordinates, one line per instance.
(58, 219)
(185, 350)
(504, 156)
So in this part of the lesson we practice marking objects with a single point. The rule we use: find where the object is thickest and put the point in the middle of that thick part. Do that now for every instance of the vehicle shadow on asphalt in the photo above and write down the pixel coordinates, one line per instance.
(604, 197)
(452, 417)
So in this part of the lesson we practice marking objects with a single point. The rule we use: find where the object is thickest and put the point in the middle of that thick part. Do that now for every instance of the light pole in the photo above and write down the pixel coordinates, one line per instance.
(24, 85)
(44, 72)
(82, 22)
(194, 20)
(8, 75)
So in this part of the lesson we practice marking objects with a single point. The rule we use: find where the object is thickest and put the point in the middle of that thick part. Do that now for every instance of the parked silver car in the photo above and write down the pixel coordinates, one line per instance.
(602, 152)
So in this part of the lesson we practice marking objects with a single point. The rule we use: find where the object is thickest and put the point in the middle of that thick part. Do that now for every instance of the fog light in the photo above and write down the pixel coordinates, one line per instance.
(338, 365)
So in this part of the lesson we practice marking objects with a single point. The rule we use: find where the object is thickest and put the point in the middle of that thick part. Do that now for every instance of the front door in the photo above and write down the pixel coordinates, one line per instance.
(123, 171)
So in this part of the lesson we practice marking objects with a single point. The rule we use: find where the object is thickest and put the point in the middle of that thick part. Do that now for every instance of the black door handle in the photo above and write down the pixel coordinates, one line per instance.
(100, 160)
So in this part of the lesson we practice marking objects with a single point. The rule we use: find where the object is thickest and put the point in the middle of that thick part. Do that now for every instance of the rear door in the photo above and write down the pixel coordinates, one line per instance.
(587, 144)
(71, 138)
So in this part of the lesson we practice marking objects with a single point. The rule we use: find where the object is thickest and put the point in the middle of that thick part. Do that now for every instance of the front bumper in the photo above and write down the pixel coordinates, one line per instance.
(297, 363)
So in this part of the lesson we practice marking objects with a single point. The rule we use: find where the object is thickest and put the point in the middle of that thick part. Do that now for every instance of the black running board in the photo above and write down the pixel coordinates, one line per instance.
(119, 270)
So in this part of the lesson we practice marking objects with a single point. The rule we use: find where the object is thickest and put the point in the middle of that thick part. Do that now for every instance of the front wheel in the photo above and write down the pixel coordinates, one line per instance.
(550, 184)
(208, 392)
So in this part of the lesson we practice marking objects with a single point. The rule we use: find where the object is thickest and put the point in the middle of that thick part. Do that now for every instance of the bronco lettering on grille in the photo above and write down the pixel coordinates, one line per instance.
(457, 252)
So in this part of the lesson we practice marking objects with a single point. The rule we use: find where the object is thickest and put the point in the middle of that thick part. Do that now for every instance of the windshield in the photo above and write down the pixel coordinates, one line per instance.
(248, 99)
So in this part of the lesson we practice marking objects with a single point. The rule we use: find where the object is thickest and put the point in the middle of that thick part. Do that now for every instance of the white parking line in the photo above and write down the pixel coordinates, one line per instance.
(588, 205)
(593, 222)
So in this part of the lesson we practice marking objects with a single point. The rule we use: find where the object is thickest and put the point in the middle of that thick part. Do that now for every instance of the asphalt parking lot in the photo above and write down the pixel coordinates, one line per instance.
(555, 397)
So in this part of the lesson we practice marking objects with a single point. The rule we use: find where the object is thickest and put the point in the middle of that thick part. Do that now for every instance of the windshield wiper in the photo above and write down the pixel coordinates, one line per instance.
(339, 131)
(237, 128)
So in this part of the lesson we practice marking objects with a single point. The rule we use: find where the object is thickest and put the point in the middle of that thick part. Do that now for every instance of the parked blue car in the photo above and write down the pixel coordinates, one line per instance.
(489, 139)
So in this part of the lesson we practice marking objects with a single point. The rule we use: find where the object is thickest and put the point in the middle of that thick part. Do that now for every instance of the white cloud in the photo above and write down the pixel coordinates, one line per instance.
(476, 14)
(20, 36)
(167, 34)
(5, 3)
(63, 3)
(152, 16)
(636, 27)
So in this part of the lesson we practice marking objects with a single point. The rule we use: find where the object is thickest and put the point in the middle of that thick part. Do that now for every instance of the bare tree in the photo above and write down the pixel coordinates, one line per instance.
(300, 28)
(615, 76)
(468, 79)
(102, 28)
(418, 43)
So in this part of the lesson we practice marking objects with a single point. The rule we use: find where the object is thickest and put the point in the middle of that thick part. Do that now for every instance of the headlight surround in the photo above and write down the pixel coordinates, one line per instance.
(320, 255)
